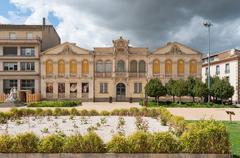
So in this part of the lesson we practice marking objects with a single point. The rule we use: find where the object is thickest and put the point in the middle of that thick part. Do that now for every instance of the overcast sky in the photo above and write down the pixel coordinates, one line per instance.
(146, 23)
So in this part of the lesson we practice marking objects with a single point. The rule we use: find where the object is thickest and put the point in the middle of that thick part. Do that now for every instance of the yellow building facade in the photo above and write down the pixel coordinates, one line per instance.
(117, 73)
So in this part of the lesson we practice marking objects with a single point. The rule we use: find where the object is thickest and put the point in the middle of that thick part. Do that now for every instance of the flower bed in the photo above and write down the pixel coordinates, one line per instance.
(198, 137)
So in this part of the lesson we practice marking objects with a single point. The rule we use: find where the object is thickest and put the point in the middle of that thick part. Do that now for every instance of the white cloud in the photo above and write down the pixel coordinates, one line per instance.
(4, 20)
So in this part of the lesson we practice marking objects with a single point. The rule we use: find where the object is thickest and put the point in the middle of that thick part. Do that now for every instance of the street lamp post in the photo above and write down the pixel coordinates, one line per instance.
(208, 25)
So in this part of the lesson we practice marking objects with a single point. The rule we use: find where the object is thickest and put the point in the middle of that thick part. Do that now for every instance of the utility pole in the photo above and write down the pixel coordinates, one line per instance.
(208, 25)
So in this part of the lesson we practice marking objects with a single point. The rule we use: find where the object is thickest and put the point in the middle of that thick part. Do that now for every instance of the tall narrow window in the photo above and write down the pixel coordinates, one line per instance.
(142, 66)
(85, 66)
(120, 66)
(49, 87)
(49, 67)
(168, 66)
(227, 68)
(103, 88)
(12, 35)
(108, 66)
(156, 66)
(193, 66)
(180, 66)
(73, 67)
(61, 68)
(217, 70)
(29, 35)
(61, 87)
(137, 87)
(99, 66)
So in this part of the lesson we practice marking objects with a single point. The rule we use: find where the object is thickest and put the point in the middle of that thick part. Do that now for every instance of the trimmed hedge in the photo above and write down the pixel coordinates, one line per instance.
(65, 103)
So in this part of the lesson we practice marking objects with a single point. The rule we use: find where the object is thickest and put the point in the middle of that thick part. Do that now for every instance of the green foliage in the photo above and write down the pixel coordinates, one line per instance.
(25, 143)
(93, 143)
(154, 88)
(221, 88)
(171, 86)
(118, 144)
(165, 142)
(206, 137)
(140, 142)
(51, 144)
(6, 143)
(66, 103)
(177, 125)
(181, 88)
(73, 144)
(165, 116)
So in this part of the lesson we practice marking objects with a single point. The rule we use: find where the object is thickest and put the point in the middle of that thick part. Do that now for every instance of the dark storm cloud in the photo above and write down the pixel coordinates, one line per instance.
(154, 22)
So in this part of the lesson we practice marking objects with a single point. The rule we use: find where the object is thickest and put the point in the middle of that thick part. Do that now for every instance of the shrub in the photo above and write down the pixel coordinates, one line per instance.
(93, 113)
(73, 144)
(25, 143)
(51, 144)
(93, 143)
(118, 144)
(84, 112)
(74, 112)
(66, 103)
(3, 118)
(104, 113)
(6, 143)
(177, 125)
(140, 142)
(164, 142)
(165, 116)
(206, 137)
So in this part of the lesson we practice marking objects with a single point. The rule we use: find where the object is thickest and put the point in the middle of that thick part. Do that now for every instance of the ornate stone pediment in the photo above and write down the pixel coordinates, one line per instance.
(175, 50)
(120, 46)
(67, 50)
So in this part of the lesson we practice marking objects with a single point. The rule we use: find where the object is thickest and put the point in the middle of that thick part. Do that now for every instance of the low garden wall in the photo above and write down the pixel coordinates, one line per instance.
(111, 155)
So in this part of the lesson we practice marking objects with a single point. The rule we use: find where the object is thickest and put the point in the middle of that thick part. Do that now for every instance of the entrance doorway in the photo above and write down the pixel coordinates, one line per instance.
(120, 92)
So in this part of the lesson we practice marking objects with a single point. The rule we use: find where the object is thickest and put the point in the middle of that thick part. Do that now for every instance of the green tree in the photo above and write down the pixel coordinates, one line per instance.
(154, 88)
(221, 89)
(170, 86)
(200, 89)
(191, 84)
(181, 88)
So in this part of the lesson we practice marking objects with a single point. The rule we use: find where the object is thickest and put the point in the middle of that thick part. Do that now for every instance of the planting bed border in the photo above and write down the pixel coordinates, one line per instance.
(110, 155)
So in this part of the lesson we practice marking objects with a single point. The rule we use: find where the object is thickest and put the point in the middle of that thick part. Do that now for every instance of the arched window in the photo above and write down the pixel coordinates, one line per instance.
(142, 66)
(99, 66)
(180, 66)
(85, 66)
(156, 66)
(108, 66)
(168, 66)
(61, 67)
(193, 66)
(120, 66)
(133, 66)
(49, 67)
(73, 67)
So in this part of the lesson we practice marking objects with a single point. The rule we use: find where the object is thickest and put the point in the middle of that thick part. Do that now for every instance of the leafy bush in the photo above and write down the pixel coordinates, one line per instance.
(165, 116)
(118, 144)
(6, 143)
(177, 125)
(51, 144)
(74, 112)
(164, 142)
(73, 144)
(206, 137)
(93, 143)
(104, 113)
(140, 142)
(25, 143)
(66, 103)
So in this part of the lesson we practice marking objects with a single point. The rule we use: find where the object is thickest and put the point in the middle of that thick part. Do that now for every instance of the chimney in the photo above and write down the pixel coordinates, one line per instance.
(44, 21)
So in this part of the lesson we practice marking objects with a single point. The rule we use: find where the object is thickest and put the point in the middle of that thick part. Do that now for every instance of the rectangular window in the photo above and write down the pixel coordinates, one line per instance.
(217, 70)
(8, 85)
(85, 87)
(27, 51)
(12, 35)
(27, 66)
(73, 87)
(28, 85)
(9, 51)
(29, 35)
(49, 87)
(137, 87)
(61, 87)
(227, 68)
(103, 88)
(10, 66)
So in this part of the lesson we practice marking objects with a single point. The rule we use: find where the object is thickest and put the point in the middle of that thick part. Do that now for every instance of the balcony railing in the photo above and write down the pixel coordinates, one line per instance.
(19, 40)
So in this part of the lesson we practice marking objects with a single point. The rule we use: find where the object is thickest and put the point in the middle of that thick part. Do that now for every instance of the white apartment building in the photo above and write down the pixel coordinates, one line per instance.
(224, 64)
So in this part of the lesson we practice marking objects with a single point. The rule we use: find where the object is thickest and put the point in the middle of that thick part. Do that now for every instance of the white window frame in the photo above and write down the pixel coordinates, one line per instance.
(103, 87)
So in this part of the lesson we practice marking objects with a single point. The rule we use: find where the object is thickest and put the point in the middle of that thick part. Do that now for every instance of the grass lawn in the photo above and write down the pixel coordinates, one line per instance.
(234, 131)
(188, 104)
